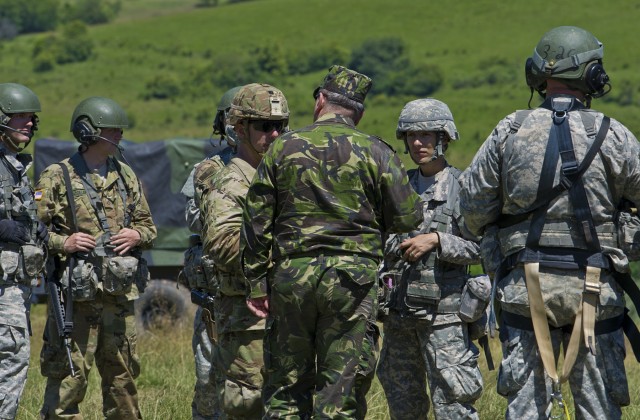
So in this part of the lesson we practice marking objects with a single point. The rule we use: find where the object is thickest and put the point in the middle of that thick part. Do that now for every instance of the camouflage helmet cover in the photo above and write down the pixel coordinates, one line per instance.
(16, 98)
(564, 53)
(426, 115)
(101, 113)
(345, 82)
(258, 101)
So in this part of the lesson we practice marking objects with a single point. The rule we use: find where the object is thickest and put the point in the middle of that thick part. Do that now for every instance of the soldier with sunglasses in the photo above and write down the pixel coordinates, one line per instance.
(259, 113)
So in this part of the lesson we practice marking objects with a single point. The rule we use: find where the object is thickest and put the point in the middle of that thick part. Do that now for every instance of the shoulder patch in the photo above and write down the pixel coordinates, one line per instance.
(38, 194)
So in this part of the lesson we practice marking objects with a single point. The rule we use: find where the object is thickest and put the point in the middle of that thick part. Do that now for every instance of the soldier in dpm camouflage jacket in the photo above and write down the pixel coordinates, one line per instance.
(22, 241)
(111, 223)
(547, 183)
(426, 271)
(316, 211)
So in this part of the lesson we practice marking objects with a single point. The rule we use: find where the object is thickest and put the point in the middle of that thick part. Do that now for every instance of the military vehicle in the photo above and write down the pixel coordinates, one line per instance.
(163, 167)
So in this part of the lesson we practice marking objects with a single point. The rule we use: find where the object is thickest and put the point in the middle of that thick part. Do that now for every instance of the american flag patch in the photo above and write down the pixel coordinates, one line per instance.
(38, 195)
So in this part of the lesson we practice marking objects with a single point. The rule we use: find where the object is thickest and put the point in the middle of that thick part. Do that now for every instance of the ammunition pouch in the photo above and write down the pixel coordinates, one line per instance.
(629, 234)
(198, 271)
(422, 289)
(84, 281)
(119, 274)
(21, 263)
(475, 298)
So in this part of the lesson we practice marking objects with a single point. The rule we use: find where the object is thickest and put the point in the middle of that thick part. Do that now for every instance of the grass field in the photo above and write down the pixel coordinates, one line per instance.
(166, 382)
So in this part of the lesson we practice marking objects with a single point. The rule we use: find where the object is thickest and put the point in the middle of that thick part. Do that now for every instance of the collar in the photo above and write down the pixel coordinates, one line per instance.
(331, 117)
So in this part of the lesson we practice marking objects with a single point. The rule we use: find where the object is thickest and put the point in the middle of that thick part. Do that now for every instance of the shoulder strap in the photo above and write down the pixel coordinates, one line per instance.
(567, 178)
(70, 199)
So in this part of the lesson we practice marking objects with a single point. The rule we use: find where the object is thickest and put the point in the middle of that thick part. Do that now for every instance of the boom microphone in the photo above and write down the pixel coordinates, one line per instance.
(120, 148)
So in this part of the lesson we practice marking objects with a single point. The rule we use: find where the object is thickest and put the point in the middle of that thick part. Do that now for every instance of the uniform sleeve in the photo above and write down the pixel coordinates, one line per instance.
(257, 227)
(52, 202)
(141, 220)
(459, 247)
(222, 217)
(401, 206)
(480, 198)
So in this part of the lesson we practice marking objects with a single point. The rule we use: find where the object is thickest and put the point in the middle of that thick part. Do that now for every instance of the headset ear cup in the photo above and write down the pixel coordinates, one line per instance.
(534, 81)
(83, 131)
(595, 78)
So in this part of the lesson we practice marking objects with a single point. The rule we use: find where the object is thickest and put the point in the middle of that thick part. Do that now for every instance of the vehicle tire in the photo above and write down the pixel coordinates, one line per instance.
(162, 305)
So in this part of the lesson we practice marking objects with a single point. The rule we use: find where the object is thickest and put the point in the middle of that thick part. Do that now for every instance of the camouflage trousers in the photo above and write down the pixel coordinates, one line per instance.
(321, 337)
(414, 350)
(205, 402)
(598, 383)
(103, 331)
(238, 358)
(14, 363)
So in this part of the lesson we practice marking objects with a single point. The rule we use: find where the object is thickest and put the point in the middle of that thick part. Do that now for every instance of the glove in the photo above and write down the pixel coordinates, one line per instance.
(43, 233)
(12, 231)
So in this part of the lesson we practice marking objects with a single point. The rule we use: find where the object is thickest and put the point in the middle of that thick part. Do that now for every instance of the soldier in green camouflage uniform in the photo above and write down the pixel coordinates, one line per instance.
(112, 222)
(518, 166)
(317, 209)
(22, 241)
(423, 334)
(205, 403)
(259, 113)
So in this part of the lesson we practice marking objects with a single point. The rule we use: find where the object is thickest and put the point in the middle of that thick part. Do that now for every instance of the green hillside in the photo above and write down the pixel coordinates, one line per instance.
(479, 46)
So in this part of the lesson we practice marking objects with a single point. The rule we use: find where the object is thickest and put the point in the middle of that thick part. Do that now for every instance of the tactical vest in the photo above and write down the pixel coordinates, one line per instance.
(102, 268)
(19, 263)
(431, 285)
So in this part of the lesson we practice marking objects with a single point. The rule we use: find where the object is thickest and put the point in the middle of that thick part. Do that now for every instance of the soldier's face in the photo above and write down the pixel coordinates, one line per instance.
(21, 125)
(263, 133)
(112, 137)
(422, 145)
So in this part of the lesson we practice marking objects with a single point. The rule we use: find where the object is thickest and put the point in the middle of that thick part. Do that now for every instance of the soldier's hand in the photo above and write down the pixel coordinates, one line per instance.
(79, 242)
(12, 231)
(259, 306)
(414, 248)
(125, 240)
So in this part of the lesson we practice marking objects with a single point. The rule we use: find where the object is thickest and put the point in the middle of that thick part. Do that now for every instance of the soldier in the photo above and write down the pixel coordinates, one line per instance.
(22, 241)
(547, 182)
(431, 266)
(317, 208)
(259, 113)
(103, 228)
(196, 276)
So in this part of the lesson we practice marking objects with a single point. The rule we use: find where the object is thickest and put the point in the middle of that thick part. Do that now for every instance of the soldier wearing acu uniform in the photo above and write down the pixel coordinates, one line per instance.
(22, 240)
(259, 113)
(424, 336)
(317, 210)
(547, 184)
(197, 274)
(104, 228)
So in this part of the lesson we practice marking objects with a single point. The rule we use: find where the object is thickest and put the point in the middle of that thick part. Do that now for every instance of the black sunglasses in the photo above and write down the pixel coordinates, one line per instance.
(268, 126)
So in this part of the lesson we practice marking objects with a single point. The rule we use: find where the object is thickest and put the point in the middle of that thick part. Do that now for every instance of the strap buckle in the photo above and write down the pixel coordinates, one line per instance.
(559, 409)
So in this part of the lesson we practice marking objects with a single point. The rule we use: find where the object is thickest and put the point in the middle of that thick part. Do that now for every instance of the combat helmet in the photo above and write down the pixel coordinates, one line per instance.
(219, 122)
(258, 101)
(426, 115)
(93, 114)
(570, 54)
(15, 99)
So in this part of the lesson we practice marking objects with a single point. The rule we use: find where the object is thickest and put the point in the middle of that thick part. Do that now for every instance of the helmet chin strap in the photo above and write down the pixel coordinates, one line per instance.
(8, 140)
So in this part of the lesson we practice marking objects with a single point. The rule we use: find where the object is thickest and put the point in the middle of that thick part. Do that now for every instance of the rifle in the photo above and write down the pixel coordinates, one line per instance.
(206, 302)
(63, 315)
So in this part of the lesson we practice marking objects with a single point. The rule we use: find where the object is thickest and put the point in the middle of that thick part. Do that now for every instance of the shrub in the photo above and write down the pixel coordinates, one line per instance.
(162, 86)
